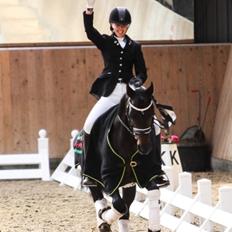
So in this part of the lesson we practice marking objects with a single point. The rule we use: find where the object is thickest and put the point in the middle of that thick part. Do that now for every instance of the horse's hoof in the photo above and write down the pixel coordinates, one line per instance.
(104, 227)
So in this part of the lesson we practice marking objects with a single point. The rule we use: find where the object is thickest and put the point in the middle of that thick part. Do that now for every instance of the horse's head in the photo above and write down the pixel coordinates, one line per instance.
(140, 113)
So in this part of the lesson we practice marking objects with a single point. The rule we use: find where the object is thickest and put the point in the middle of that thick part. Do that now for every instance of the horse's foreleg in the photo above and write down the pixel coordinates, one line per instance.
(128, 195)
(118, 210)
(100, 203)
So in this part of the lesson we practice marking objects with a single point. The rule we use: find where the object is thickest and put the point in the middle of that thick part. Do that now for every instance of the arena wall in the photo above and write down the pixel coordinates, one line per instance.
(48, 87)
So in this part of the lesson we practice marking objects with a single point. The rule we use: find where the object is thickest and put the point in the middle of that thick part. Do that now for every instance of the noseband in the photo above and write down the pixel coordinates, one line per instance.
(134, 130)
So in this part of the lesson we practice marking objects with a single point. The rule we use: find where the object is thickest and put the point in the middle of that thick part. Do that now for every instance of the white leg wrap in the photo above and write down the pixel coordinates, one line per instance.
(111, 215)
(100, 204)
(154, 210)
(123, 225)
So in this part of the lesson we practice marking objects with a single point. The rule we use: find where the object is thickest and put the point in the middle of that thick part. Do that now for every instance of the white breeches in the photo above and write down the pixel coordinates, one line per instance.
(103, 104)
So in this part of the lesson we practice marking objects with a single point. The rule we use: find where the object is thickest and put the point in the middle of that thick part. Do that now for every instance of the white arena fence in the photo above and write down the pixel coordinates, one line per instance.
(66, 173)
(180, 210)
(27, 166)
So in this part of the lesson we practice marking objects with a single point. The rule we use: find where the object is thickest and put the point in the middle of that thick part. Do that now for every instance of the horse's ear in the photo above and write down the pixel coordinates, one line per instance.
(130, 91)
(150, 89)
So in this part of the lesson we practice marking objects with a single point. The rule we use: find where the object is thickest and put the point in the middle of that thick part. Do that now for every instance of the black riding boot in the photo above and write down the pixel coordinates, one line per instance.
(86, 181)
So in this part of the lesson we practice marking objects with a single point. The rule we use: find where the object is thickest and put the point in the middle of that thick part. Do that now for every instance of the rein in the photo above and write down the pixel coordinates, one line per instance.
(124, 125)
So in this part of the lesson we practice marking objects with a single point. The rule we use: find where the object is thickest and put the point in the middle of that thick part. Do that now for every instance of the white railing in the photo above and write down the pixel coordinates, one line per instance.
(182, 212)
(27, 166)
(66, 173)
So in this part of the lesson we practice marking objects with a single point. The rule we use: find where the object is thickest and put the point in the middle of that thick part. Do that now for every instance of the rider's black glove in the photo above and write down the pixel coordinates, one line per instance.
(136, 82)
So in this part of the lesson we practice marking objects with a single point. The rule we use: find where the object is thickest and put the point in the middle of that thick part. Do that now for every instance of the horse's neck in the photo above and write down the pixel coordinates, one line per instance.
(121, 139)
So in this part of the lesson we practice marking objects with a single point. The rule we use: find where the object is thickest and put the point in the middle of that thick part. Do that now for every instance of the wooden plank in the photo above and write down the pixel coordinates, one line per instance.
(5, 103)
(19, 94)
(207, 90)
(223, 122)
(47, 106)
(182, 91)
(34, 73)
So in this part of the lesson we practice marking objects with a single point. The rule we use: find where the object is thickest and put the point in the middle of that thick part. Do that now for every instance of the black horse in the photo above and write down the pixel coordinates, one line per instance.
(122, 152)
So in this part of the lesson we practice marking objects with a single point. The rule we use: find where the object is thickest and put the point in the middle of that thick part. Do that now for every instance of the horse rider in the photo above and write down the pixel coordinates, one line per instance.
(120, 54)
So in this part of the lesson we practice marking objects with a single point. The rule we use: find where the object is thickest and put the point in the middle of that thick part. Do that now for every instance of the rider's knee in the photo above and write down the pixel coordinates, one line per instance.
(87, 127)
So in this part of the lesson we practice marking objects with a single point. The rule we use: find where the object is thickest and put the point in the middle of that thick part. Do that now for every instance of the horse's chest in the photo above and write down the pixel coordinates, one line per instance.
(129, 174)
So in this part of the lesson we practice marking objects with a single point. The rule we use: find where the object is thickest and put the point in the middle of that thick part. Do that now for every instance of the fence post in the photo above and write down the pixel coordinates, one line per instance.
(185, 184)
(225, 202)
(171, 173)
(44, 154)
(204, 187)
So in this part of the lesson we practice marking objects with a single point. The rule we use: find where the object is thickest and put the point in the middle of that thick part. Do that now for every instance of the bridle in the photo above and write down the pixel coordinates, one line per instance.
(134, 130)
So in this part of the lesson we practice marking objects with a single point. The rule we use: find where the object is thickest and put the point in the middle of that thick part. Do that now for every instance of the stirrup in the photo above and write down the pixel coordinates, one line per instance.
(161, 180)
(87, 182)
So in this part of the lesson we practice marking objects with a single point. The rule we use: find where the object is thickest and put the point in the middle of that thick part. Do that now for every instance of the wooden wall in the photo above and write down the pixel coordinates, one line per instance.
(180, 70)
(223, 122)
(48, 88)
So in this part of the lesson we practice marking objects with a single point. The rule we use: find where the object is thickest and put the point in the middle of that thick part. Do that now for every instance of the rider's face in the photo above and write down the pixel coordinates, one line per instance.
(120, 29)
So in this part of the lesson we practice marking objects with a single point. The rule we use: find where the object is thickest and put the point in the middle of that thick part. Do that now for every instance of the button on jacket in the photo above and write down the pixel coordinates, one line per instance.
(118, 62)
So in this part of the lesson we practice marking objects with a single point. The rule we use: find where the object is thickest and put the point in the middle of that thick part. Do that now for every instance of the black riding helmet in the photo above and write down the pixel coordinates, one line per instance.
(120, 15)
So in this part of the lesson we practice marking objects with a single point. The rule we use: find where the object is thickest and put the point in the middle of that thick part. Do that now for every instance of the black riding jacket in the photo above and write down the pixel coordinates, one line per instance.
(119, 62)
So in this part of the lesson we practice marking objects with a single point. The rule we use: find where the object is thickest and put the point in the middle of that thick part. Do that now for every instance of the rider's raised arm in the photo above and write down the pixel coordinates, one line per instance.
(140, 67)
(91, 32)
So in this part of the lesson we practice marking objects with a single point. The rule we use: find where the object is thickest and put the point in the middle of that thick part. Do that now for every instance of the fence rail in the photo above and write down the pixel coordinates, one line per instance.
(27, 166)
(180, 211)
